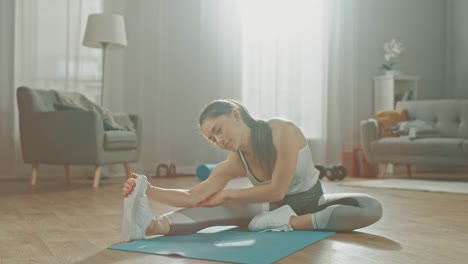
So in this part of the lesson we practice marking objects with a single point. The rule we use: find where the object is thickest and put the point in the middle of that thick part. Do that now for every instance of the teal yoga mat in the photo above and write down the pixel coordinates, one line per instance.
(229, 246)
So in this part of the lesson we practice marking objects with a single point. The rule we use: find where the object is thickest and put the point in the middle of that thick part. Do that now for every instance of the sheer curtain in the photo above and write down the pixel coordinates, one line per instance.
(49, 53)
(284, 64)
(341, 118)
(283, 61)
(298, 63)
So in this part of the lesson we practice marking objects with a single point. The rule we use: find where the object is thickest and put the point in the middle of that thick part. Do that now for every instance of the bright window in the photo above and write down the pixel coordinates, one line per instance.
(283, 61)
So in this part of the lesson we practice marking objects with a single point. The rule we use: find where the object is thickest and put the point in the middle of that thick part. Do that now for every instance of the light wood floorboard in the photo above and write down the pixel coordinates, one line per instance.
(54, 222)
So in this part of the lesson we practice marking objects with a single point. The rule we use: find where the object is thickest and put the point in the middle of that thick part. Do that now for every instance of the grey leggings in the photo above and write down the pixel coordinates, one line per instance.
(334, 212)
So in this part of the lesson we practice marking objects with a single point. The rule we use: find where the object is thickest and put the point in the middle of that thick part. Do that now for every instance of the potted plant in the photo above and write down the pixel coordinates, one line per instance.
(392, 49)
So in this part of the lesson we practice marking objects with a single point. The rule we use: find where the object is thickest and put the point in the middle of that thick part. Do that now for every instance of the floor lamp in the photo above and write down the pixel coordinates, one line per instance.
(105, 31)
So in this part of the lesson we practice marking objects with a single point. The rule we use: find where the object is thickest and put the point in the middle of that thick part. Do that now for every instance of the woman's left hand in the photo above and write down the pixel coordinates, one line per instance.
(216, 199)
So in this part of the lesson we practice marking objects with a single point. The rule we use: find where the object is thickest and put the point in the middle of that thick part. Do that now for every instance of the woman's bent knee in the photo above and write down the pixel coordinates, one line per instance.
(374, 210)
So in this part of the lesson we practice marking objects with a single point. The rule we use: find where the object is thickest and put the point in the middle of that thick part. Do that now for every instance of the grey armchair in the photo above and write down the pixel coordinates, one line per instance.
(71, 137)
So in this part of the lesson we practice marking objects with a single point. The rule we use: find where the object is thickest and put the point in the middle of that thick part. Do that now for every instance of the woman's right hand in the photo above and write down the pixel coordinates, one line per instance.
(129, 186)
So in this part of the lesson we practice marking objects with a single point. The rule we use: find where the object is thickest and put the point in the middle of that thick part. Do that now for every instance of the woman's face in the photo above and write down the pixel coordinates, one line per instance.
(224, 131)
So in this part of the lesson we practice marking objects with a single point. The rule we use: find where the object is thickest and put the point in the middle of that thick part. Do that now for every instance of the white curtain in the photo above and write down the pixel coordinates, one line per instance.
(48, 53)
(283, 61)
(298, 63)
(342, 120)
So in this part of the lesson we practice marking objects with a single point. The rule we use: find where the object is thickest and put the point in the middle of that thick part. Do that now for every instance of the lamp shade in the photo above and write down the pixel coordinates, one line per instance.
(105, 29)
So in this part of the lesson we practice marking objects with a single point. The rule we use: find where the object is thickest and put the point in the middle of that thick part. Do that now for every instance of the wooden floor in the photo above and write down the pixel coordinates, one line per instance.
(57, 223)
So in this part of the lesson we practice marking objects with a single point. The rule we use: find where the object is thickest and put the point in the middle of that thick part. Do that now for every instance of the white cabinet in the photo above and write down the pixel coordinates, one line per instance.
(389, 89)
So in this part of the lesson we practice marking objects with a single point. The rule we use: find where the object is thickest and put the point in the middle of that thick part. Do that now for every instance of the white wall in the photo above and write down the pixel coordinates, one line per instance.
(420, 25)
(457, 43)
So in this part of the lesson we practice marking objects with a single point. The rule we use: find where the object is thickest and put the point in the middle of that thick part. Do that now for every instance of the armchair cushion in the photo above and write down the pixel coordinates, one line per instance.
(465, 147)
(115, 140)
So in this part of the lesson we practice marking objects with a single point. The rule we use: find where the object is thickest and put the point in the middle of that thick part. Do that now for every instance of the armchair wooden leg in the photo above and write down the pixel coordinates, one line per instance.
(128, 169)
(35, 167)
(408, 170)
(68, 173)
(383, 169)
(97, 176)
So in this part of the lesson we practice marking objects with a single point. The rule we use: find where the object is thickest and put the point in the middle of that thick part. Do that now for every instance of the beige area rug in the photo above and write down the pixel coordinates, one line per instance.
(412, 184)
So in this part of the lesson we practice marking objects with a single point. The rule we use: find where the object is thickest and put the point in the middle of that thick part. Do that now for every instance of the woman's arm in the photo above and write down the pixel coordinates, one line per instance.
(216, 182)
(288, 140)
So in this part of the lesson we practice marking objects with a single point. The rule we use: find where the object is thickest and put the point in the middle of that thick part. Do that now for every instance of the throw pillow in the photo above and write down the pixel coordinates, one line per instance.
(415, 129)
(388, 118)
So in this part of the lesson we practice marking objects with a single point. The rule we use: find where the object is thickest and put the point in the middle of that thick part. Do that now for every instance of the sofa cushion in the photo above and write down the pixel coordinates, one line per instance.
(465, 147)
(117, 139)
(424, 146)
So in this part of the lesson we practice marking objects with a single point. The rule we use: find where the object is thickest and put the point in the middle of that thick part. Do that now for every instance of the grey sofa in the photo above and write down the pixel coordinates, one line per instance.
(71, 137)
(449, 117)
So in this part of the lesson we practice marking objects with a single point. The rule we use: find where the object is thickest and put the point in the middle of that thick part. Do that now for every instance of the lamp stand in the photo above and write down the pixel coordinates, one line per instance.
(104, 47)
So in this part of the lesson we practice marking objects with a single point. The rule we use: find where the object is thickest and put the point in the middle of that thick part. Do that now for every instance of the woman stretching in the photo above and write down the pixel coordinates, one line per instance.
(275, 157)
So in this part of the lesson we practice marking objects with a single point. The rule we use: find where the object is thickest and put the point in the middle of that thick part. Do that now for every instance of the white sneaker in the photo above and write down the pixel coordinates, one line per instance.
(276, 220)
(137, 214)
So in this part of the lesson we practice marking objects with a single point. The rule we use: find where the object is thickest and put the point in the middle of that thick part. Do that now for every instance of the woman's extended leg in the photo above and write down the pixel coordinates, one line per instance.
(191, 220)
(138, 220)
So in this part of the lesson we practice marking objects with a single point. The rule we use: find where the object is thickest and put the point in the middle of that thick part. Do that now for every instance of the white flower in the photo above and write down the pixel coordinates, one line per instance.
(393, 49)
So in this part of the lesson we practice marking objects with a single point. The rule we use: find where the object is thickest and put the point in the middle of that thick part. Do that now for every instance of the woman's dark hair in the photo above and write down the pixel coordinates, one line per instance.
(260, 131)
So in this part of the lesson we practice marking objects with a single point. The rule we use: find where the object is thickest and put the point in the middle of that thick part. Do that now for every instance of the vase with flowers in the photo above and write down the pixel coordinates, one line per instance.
(392, 49)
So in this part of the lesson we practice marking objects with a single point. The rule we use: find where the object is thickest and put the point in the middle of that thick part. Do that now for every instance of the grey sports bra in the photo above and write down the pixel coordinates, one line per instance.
(305, 176)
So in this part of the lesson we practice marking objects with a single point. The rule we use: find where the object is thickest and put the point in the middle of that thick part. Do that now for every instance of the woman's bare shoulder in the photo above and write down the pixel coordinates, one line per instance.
(234, 165)
(278, 122)
(286, 132)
